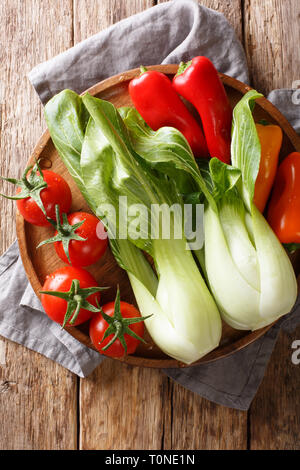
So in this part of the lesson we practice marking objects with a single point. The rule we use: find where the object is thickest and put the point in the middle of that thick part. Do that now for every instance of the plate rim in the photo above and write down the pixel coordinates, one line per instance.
(157, 363)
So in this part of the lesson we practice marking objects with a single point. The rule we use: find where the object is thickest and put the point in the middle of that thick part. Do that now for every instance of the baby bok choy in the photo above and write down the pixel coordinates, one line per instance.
(249, 272)
(120, 179)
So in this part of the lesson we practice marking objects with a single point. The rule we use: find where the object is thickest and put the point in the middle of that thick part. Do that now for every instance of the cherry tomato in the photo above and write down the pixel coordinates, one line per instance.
(99, 325)
(60, 281)
(87, 252)
(57, 192)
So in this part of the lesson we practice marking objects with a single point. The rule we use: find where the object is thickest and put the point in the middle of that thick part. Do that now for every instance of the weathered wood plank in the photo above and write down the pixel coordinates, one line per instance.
(38, 402)
(100, 15)
(120, 407)
(37, 397)
(272, 42)
(271, 33)
(275, 412)
(200, 424)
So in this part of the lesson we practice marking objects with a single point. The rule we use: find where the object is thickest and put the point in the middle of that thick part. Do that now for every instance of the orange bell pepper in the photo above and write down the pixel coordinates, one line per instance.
(284, 207)
(270, 137)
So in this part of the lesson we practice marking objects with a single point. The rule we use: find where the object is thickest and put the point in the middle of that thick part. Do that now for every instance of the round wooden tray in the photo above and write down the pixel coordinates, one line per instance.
(39, 263)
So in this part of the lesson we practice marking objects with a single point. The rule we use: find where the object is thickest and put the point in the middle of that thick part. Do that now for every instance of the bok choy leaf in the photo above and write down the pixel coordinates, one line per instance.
(67, 120)
(249, 272)
(185, 321)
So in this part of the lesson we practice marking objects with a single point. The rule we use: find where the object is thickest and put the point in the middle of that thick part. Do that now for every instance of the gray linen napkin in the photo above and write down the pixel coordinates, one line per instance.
(182, 29)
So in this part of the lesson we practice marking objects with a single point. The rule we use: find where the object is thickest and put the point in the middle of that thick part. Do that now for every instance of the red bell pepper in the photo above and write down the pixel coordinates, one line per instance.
(159, 105)
(198, 82)
(284, 206)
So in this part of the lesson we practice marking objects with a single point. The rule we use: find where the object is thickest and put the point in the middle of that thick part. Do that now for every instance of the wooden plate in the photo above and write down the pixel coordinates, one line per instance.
(39, 263)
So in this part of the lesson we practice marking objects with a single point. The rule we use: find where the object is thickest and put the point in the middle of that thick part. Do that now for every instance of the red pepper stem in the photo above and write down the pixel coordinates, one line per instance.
(264, 122)
(182, 67)
(142, 69)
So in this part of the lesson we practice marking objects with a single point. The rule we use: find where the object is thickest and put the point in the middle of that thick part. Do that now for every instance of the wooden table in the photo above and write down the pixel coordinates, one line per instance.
(42, 405)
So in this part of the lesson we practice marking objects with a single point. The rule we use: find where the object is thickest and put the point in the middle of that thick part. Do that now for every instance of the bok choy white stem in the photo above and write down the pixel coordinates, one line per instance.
(249, 272)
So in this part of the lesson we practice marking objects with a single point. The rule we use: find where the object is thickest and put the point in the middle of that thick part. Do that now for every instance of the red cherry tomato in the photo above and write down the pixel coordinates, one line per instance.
(61, 281)
(84, 253)
(57, 192)
(98, 326)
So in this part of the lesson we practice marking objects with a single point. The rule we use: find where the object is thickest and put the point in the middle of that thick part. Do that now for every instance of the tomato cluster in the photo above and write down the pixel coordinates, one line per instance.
(71, 295)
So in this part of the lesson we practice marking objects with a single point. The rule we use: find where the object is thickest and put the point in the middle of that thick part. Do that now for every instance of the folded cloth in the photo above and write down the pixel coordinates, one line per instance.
(23, 320)
(167, 34)
(182, 29)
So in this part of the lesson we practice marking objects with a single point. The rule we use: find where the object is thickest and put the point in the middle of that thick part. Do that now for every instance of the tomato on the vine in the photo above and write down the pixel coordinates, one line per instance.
(89, 250)
(38, 193)
(80, 238)
(70, 296)
(117, 329)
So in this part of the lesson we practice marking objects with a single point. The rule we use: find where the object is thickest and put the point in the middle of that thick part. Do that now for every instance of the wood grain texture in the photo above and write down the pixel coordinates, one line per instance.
(275, 412)
(231, 9)
(27, 36)
(200, 424)
(272, 42)
(272, 34)
(37, 396)
(101, 14)
(38, 402)
(122, 407)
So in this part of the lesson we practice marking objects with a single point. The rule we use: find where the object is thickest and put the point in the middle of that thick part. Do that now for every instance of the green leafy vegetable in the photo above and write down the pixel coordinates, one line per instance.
(185, 322)
(116, 162)
(249, 273)
(245, 144)
(67, 118)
